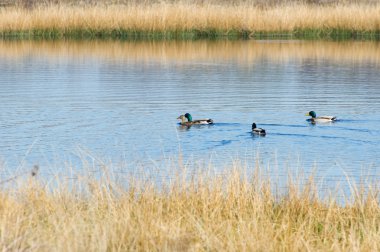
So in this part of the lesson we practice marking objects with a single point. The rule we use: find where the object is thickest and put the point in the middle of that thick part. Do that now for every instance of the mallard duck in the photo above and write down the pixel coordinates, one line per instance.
(258, 131)
(187, 120)
(315, 119)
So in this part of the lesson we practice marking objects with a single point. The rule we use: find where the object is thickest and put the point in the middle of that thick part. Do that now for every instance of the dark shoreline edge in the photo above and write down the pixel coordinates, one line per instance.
(55, 34)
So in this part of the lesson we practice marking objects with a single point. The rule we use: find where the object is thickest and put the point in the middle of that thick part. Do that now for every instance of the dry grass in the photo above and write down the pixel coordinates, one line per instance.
(205, 18)
(231, 2)
(33, 3)
(199, 212)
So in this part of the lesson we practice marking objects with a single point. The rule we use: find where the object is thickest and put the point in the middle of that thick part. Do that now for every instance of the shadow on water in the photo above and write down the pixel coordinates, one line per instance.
(202, 126)
(337, 126)
(254, 135)
(196, 126)
(223, 142)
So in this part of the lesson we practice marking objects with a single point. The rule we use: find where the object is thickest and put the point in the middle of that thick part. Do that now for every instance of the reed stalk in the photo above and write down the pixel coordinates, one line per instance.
(239, 209)
(192, 20)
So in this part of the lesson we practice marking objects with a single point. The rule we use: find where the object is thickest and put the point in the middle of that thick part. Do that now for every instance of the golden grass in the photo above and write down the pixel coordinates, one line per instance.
(249, 52)
(199, 211)
(186, 17)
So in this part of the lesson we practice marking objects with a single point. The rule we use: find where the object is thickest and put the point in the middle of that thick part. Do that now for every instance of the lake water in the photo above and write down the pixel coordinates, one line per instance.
(118, 101)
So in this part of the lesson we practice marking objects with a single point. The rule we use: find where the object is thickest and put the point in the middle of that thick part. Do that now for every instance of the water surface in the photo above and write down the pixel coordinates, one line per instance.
(119, 101)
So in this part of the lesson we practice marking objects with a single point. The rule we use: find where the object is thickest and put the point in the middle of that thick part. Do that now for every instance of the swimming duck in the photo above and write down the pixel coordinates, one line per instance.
(258, 131)
(190, 120)
(315, 119)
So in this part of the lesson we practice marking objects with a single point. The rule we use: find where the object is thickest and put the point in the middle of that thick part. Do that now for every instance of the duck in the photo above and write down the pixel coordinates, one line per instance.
(187, 120)
(314, 118)
(258, 131)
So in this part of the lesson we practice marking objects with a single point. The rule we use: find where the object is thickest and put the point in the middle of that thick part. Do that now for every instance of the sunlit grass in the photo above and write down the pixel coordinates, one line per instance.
(191, 20)
(239, 209)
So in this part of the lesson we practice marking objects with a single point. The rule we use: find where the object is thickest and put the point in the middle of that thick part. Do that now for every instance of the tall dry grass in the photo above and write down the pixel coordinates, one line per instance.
(179, 17)
(238, 210)
(33, 3)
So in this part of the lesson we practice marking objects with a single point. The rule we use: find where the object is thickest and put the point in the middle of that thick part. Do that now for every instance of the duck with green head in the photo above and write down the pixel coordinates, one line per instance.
(314, 118)
(187, 120)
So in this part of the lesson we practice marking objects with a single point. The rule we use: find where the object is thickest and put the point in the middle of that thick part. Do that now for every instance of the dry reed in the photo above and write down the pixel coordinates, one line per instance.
(203, 211)
(178, 19)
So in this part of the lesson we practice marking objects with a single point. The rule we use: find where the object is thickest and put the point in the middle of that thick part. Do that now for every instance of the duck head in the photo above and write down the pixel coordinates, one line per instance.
(189, 117)
(182, 118)
(254, 126)
(312, 114)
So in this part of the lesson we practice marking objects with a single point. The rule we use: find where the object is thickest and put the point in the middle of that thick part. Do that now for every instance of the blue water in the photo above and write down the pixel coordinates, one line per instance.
(61, 101)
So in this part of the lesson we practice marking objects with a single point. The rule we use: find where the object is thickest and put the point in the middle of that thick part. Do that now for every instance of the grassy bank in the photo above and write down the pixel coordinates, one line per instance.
(183, 20)
(190, 212)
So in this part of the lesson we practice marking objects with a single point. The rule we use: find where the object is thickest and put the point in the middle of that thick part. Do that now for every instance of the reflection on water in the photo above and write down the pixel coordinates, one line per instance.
(242, 52)
(121, 100)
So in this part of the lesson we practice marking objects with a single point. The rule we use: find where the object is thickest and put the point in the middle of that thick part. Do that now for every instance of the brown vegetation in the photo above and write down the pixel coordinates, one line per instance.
(34, 3)
(238, 210)
(181, 17)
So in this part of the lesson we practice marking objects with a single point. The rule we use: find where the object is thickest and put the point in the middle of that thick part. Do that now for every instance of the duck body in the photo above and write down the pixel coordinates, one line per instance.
(258, 131)
(315, 119)
(187, 120)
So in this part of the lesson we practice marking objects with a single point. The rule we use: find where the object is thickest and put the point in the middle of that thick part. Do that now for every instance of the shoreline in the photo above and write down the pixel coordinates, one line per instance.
(189, 35)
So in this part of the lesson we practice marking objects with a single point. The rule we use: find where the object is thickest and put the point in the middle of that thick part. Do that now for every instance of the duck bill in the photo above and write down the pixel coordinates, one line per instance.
(307, 114)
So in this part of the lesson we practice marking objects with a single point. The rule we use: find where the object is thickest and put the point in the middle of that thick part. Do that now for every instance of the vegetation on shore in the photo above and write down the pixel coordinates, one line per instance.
(186, 20)
(236, 210)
